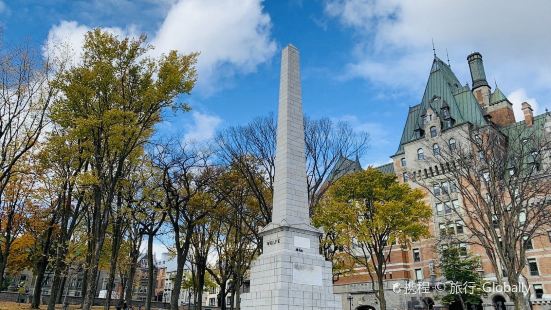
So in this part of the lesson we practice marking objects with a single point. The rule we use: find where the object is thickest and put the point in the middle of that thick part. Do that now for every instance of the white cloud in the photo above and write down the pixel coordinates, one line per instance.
(231, 35)
(158, 248)
(394, 39)
(66, 40)
(203, 127)
(519, 96)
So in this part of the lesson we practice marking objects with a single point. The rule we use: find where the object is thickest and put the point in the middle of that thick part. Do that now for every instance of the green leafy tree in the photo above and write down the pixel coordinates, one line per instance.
(459, 270)
(370, 212)
(111, 103)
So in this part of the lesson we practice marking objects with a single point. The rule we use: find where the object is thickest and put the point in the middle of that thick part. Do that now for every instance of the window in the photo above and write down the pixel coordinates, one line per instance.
(440, 211)
(448, 207)
(452, 145)
(533, 266)
(403, 162)
(459, 227)
(453, 187)
(416, 255)
(420, 154)
(405, 176)
(538, 291)
(212, 302)
(436, 189)
(445, 188)
(451, 229)
(486, 176)
(463, 249)
(455, 204)
(528, 243)
(433, 132)
(435, 149)
(549, 235)
(442, 229)
(418, 275)
(445, 112)
(480, 155)
(522, 217)
(512, 171)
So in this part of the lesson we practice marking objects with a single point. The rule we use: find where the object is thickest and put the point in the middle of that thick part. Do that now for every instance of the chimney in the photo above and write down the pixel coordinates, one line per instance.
(477, 70)
(528, 114)
(481, 89)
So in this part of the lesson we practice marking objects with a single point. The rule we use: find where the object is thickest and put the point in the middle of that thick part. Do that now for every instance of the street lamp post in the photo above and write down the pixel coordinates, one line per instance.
(350, 298)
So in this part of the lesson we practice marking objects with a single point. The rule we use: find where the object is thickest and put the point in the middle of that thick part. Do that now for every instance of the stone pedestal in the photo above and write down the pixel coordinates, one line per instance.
(290, 274)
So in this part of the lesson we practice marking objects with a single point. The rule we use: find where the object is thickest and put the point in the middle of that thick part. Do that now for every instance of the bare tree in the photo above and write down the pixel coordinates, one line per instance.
(186, 173)
(502, 177)
(251, 149)
(25, 95)
(235, 244)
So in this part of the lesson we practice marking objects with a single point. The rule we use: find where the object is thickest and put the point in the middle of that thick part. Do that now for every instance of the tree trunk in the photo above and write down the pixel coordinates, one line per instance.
(115, 246)
(93, 274)
(180, 261)
(7, 245)
(4, 262)
(222, 296)
(131, 274)
(41, 267)
(200, 285)
(37, 290)
(150, 267)
(381, 293)
(56, 284)
(181, 255)
(100, 221)
(59, 298)
(236, 297)
(124, 280)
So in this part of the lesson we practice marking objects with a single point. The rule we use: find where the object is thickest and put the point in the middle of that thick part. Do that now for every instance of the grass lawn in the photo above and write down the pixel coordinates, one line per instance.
(7, 305)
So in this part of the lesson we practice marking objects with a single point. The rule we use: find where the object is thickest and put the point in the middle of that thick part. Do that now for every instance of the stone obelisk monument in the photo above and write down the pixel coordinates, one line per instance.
(290, 274)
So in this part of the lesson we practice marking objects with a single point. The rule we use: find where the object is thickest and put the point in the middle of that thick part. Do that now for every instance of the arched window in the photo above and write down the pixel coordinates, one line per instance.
(452, 144)
(435, 149)
(420, 154)
(433, 132)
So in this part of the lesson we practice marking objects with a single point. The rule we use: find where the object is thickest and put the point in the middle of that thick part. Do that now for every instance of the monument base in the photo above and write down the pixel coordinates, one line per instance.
(290, 274)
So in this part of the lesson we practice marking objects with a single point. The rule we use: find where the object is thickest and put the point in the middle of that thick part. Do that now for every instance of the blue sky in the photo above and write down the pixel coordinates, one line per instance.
(364, 61)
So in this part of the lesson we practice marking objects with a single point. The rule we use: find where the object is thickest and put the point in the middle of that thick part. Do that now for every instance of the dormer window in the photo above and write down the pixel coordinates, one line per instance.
(451, 144)
(420, 154)
(433, 132)
(435, 149)
(445, 112)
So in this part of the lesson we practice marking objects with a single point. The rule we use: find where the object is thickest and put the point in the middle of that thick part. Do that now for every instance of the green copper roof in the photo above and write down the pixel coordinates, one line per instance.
(386, 168)
(497, 96)
(519, 129)
(443, 88)
(342, 167)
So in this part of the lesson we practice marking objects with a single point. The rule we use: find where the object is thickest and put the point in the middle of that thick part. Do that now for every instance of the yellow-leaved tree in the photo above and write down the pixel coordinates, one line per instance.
(370, 214)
